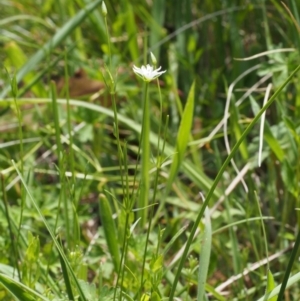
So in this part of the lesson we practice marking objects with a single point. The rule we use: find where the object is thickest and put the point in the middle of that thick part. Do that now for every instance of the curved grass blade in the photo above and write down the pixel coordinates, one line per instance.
(289, 268)
(44, 51)
(66, 278)
(19, 290)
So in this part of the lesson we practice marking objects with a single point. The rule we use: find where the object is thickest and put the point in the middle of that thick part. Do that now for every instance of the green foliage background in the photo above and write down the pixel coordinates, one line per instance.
(79, 187)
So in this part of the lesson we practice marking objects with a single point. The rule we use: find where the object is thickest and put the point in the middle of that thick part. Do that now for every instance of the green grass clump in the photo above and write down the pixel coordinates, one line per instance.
(181, 183)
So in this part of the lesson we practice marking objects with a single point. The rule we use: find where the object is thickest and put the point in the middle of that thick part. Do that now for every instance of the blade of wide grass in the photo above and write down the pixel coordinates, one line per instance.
(66, 278)
(56, 242)
(19, 290)
(204, 256)
(109, 230)
(289, 268)
(182, 137)
(59, 37)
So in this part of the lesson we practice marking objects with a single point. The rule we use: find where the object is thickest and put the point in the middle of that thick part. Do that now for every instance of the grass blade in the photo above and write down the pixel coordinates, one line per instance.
(204, 256)
(182, 137)
(19, 290)
(109, 230)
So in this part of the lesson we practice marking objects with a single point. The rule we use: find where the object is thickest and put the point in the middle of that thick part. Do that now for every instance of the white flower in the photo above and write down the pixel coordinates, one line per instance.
(147, 73)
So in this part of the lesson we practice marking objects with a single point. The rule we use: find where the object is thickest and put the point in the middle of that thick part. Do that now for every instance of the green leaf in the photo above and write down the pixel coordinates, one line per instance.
(270, 286)
(204, 256)
(33, 250)
(89, 290)
(109, 230)
(183, 136)
(66, 277)
(155, 297)
(156, 264)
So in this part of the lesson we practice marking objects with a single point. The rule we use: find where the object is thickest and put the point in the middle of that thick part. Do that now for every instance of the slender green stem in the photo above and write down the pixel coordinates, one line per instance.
(218, 178)
(158, 165)
(145, 143)
(14, 89)
(108, 43)
(71, 157)
(289, 268)
(8, 218)
(60, 159)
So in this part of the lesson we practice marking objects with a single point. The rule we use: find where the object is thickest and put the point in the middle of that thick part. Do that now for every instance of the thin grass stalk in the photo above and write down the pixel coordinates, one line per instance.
(60, 159)
(266, 25)
(150, 221)
(236, 258)
(123, 258)
(289, 268)
(145, 143)
(218, 178)
(10, 230)
(155, 217)
(128, 208)
(158, 166)
(14, 90)
(71, 156)
(104, 13)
